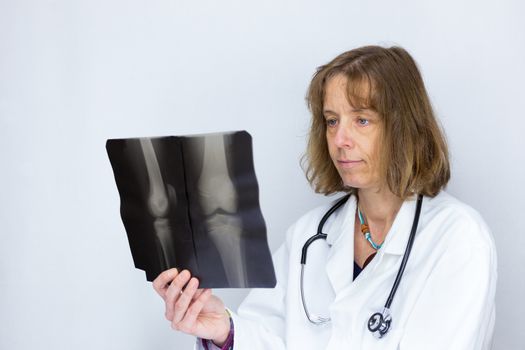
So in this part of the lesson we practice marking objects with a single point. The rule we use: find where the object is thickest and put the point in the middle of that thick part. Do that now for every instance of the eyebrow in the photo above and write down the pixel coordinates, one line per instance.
(354, 110)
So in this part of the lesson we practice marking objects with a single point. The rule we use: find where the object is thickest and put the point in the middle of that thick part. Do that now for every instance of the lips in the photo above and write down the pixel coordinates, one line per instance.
(348, 164)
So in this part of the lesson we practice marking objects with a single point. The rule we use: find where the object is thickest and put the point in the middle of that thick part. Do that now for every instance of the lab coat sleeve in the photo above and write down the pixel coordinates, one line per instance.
(456, 309)
(260, 320)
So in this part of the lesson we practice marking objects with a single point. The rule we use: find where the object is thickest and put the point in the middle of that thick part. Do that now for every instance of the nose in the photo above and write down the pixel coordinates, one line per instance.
(344, 137)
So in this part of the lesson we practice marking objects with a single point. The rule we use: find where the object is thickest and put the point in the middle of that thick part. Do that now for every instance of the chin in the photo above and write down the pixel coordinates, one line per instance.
(358, 180)
(356, 183)
(353, 184)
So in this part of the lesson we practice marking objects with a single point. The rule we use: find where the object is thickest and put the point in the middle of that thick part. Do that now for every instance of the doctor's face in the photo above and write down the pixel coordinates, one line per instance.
(352, 135)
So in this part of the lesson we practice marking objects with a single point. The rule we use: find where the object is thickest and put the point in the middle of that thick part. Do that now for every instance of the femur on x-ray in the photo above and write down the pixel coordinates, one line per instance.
(192, 202)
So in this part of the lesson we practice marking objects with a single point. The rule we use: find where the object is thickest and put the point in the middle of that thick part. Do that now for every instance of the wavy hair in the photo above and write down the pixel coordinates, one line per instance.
(413, 153)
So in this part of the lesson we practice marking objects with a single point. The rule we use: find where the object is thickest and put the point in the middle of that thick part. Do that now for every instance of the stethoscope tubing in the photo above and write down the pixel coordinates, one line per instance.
(408, 249)
(320, 234)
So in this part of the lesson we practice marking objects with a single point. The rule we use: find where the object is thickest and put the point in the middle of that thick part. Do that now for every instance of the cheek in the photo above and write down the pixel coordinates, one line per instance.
(330, 146)
(373, 163)
(371, 147)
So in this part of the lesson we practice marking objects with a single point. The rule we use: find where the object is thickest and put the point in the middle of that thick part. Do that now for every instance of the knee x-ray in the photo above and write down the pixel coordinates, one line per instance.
(192, 202)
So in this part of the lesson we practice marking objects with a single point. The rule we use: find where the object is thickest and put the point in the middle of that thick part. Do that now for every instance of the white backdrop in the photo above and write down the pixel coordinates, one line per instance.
(74, 73)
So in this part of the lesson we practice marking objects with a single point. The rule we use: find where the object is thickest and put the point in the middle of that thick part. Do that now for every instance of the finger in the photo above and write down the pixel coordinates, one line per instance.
(188, 323)
(174, 291)
(182, 303)
(198, 293)
(160, 284)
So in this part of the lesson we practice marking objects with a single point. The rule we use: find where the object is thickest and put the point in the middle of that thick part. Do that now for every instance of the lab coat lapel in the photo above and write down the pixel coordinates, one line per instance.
(340, 237)
(397, 238)
(389, 256)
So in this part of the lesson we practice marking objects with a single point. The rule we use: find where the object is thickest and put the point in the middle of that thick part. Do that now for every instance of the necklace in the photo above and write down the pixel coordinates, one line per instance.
(366, 231)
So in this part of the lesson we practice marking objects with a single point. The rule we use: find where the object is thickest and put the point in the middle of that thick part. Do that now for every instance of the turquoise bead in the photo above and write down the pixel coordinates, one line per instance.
(368, 236)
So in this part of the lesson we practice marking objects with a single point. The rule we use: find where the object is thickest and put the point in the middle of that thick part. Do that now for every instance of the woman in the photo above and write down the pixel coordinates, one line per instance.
(374, 136)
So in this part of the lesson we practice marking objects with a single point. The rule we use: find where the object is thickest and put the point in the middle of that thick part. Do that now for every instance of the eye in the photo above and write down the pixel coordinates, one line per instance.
(331, 122)
(362, 121)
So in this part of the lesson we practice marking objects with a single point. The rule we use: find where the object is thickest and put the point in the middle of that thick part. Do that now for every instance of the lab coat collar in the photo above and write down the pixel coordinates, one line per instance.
(397, 238)
(343, 221)
(340, 236)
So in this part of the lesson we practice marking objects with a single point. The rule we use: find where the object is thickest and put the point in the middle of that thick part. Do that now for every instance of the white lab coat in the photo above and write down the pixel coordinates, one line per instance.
(445, 299)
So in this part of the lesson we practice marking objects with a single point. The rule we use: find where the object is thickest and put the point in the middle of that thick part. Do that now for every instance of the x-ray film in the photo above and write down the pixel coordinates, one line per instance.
(192, 202)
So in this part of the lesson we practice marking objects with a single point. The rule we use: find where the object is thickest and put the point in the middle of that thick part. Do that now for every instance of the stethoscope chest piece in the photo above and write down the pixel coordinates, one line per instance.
(379, 323)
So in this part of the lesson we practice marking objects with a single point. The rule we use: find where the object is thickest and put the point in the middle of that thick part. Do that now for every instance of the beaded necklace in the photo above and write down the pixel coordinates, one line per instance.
(366, 231)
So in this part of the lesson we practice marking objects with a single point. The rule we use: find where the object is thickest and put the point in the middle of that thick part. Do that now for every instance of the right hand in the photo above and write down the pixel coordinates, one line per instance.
(191, 310)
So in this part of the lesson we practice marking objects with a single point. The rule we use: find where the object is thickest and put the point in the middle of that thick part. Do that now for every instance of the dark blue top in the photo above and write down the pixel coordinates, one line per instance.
(358, 269)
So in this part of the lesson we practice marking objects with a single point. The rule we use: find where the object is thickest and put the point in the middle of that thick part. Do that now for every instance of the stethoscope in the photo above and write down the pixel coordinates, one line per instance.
(378, 323)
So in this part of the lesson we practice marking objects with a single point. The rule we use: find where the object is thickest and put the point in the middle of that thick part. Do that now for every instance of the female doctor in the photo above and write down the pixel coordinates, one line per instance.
(375, 138)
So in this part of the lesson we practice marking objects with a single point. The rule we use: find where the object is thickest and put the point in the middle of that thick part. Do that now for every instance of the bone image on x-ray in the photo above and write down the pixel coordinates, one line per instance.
(158, 203)
(219, 201)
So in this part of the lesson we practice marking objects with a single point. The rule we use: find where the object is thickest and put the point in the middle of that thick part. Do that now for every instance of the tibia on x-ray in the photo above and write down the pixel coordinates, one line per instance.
(219, 202)
(158, 204)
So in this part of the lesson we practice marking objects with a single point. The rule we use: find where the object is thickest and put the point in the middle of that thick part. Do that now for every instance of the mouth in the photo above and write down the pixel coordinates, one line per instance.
(348, 164)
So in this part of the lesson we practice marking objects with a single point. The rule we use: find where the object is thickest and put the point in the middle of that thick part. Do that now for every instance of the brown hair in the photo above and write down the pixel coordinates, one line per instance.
(413, 152)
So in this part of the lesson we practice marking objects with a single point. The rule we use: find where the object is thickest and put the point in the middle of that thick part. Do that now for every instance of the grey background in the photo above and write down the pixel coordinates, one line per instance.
(74, 73)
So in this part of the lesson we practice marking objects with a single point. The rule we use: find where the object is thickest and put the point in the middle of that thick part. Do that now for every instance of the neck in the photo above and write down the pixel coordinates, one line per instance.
(379, 207)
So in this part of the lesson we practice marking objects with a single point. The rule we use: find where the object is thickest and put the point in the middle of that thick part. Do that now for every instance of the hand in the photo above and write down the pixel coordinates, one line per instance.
(191, 310)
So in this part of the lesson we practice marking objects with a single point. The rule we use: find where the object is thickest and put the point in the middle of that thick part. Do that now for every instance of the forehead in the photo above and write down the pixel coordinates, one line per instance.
(354, 93)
